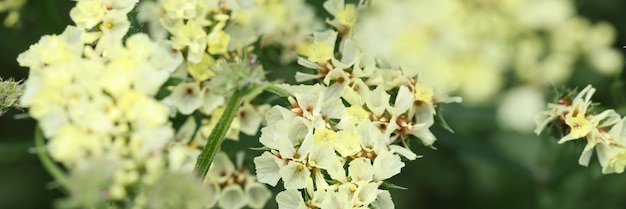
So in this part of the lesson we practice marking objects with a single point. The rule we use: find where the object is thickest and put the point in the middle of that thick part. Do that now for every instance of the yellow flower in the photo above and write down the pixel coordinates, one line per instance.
(88, 14)
(579, 126)
(618, 162)
(423, 93)
(347, 16)
(304, 48)
(348, 142)
(356, 114)
(184, 9)
(116, 80)
(218, 42)
(320, 52)
(68, 145)
(202, 71)
(324, 135)
(192, 35)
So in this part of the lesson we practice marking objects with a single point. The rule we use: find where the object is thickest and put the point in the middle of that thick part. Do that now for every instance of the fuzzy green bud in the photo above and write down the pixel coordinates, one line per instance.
(10, 92)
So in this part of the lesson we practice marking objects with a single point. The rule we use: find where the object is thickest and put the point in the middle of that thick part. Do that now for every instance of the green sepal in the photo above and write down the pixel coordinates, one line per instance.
(272, 88)
(440, 120)
(260, 148)
(389, 186)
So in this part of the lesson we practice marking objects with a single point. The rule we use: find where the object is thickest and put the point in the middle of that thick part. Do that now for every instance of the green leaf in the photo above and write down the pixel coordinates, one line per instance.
(260, 148)
(389, 186)
(440, 120)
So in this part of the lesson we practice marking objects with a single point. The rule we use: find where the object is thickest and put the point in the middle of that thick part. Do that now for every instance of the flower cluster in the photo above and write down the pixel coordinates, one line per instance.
(92, 93)
(472, 47)
(224, 26)
(577, 120)
(313, 142)
(10, 91)
(216, 38)
(342, 138)
(108, 97)
(93, 90)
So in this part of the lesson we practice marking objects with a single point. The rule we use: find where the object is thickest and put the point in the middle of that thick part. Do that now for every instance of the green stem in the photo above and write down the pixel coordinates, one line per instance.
(277, 90)
(217, 135)
(47, 163)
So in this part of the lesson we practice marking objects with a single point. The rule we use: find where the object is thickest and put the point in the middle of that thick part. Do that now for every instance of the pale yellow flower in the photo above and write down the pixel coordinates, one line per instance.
(218, 42)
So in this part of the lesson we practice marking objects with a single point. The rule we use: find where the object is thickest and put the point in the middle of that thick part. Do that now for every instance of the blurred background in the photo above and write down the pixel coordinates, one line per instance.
(487, 163)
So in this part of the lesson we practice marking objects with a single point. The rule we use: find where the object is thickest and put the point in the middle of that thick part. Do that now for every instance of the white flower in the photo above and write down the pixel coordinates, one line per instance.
(150, 140)
(405, 152)
(602, 140)
(361, 170)
(377, 100)
(221, 168)
(211, 101)
(187, 97)
(232, 197)
(337, 200)
(180, 9)
(315, 104)
(186, 131)
(272, 133)
(182, 158)
(257, 195)
(579, 104)
(366, 193)
(250, 118)
(386, 165)
(323, 156)
(404, 101)
(294, 175)
(290, 199)
(348, 142)
(278, 113)
(68, 144)
(372, 139)
(383, 200)
(87, 14)
(267, 169)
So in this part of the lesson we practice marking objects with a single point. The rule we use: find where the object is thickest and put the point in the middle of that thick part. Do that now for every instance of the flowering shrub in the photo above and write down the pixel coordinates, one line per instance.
(134, 119)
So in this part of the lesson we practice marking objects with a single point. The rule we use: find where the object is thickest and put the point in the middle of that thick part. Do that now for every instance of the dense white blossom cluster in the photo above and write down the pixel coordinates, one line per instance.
(93, 96)
(93, 90)
(343, 138)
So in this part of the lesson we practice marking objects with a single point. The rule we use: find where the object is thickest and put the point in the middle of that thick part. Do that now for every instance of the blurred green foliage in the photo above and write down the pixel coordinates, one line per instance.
(479, 166)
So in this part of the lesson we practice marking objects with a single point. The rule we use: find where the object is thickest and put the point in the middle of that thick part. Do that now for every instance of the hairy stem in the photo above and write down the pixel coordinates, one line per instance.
(217, 135)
